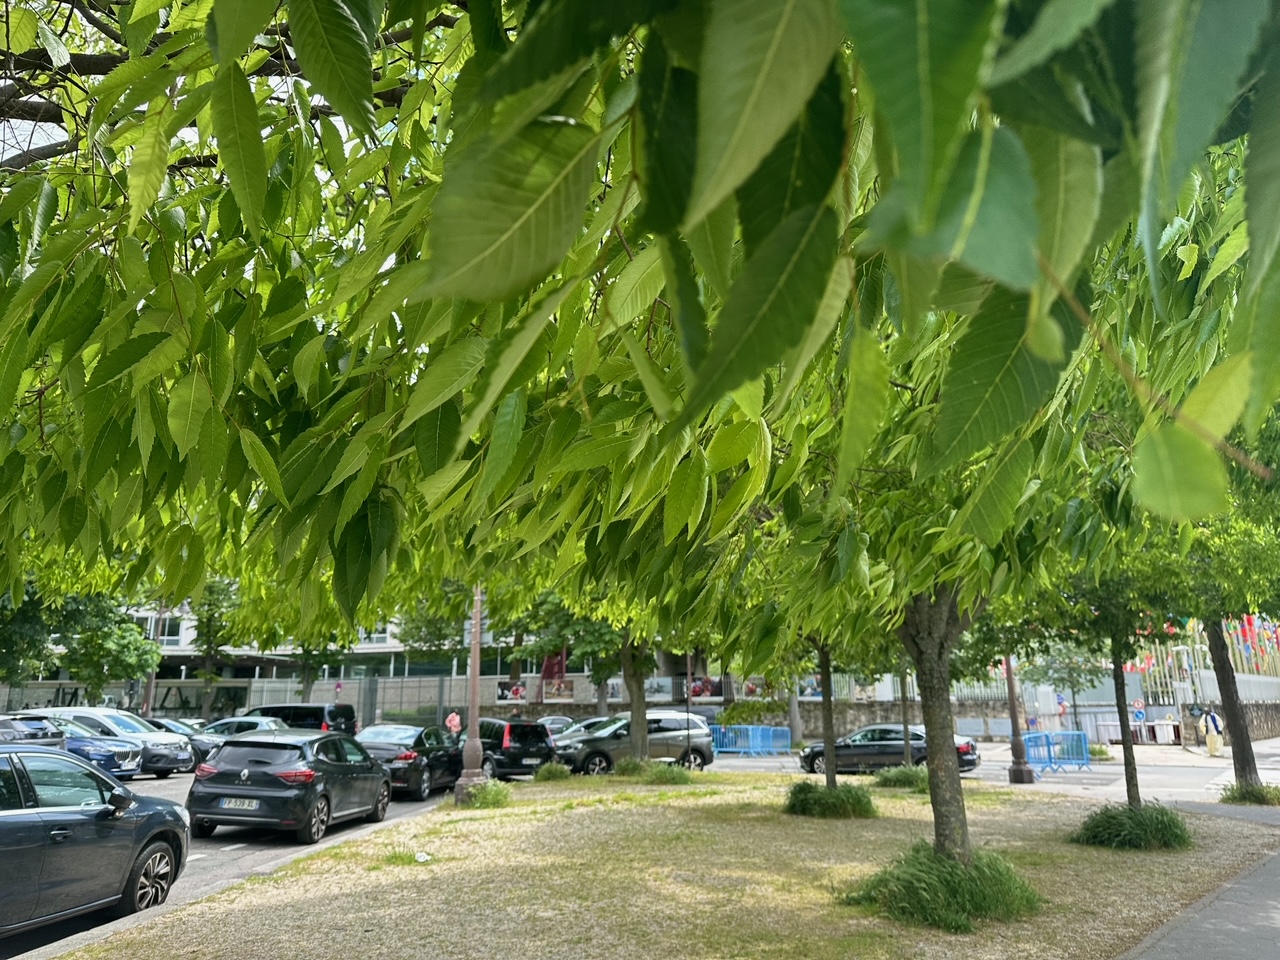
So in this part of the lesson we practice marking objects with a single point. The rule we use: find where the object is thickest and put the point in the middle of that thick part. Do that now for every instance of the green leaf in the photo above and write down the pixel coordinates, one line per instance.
(711, 243)
(255, 451)
(238, 22)
(993, 383)
(865, 405)
(189, 404)
(760, 63)
(1232, 249)
(436, 436)
(924, 61)
(686, 307)
(686, 496)
(593, 453)
(307, 362)
(452, 371)
(18, 31)
(1178, 475)
(989, 510)
(649, 376)
(800, 170)
(769, 308)
(561, 34)
(508, 426)
(669, 115)
(1057, 26)
(1218, 400)
(731, 445)
(59, 56)
(637, 286)
(505, 218)
(240, 147)
(833, 303)
(1068, 175)
(124, 357)
(1262, 178)
(13, 363)
(358, 490)
(335, 58)
(148, 167)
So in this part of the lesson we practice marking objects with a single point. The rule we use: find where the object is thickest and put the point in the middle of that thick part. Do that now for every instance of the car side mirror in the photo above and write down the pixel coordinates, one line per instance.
(119, 801)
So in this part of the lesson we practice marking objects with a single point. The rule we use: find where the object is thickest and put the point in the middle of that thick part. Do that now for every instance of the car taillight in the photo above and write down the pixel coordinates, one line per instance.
(205, 771)
(506, 737)
(297, 776)
(324, 726)
(407, 755)
(965, 748)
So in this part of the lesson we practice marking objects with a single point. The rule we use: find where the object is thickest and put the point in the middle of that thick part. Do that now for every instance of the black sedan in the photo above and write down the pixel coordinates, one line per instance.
(880, 745)
(75, 840)
(296, 780)
(119, 757)
(202, 743)
(420, 758)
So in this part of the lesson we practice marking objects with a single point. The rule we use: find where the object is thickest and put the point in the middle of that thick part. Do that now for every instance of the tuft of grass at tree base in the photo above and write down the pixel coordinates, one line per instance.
(1261, 794)
(1121, 827)
(913, 778)
(489, 795)
(551, 771)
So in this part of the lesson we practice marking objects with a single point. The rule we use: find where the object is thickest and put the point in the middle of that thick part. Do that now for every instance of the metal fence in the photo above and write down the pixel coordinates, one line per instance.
(1057, 750)
(751, 741)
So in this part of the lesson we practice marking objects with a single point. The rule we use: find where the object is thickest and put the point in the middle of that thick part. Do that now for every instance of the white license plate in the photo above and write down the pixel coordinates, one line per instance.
(184, 756)
(239, 803)
(531, 761)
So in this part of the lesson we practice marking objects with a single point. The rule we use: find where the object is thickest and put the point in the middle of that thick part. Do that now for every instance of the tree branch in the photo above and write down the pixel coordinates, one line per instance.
(20, 161)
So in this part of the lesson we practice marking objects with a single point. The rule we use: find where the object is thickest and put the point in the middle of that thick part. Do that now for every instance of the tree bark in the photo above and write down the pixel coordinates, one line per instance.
(727, 693)
(793, 715)
(906, 716)
(206, 692)
(1126, 733)
(1246, 767)
(517, 641)
(828, 714)
(633, 676)
(602, 697)
(308, 681)
(931, 626)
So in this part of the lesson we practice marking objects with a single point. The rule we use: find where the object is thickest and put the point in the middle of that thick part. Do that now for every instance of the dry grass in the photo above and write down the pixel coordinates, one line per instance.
(593, 869)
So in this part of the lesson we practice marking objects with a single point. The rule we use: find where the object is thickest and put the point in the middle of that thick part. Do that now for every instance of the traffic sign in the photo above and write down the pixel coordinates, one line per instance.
(1139, 704)
(1061, 699)
(1139, 715)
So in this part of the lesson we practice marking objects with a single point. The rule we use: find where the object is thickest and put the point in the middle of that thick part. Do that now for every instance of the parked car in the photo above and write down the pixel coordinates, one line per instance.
(513, 748)
(581, 729)
(555, 724)
(76, 840)
(34, 731)
(202, 741)
(880, 745)
(298, 780)
(311, 716)
(680, 737)
(117, 756)
(233, 725)
(420, 758)
(163, 753)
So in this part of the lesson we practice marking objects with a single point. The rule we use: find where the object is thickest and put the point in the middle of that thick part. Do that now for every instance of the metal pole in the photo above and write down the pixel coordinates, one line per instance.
(1020, 772)
(473, 751)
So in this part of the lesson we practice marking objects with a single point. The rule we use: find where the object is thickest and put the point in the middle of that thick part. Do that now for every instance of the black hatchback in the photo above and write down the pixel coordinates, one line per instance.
(288, 780)
(514, 748)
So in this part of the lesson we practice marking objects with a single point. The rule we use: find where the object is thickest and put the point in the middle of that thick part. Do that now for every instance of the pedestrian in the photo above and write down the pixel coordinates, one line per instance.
(515, 713)
(1211, 728)
(453, 723)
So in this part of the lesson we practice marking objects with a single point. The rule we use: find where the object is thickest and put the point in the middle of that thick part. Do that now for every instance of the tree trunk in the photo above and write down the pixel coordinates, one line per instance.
(1246, 767)
(602, 698)
(633, 655)
(906, 716)
(793, 716)
(308, 681)
(1075, 711)
(931, 626)
(1126, 734)
(206, 692)
(727, 692)
(517, 641)
(828, 714)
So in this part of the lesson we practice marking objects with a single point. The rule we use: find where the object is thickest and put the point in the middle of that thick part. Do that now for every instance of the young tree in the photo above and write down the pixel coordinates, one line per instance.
(101, 644)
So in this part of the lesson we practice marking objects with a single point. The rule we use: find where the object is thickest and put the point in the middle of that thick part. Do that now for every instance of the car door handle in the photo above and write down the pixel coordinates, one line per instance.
(58, 834)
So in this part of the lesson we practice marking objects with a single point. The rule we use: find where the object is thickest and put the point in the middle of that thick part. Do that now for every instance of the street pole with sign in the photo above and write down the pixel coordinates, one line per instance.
(473, 750)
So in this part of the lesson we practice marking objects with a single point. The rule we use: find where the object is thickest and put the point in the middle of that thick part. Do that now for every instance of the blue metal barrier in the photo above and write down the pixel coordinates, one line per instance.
(1057, 750)
(751, 741)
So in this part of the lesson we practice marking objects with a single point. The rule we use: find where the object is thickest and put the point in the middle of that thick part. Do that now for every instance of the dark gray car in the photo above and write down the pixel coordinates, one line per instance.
(680, 737)
(880, 745)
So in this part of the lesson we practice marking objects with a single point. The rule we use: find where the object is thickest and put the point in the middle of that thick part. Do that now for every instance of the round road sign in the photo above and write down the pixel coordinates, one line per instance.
(1139, 715)
(1139, 704)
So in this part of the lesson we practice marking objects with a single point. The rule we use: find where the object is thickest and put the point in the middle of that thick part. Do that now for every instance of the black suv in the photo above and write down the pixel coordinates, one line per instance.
(514, 748)
(339, 717)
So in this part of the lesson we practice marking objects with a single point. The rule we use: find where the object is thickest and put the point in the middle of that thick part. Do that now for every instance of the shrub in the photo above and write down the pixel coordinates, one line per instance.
(551, 771)
(914, 778)
(1263, 794)
(925, 887)
(629, 767)
(666, 774)
(808, 799)
(1121, 827)
(1099, 751)
(490, 794)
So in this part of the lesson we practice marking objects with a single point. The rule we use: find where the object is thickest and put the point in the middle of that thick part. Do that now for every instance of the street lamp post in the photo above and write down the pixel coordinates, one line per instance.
(473, 750)
(1020, 772)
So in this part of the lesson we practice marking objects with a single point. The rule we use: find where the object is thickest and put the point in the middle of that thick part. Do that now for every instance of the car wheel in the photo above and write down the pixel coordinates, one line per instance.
(379, 811)
(163, 774)
(488, 769)
(150, 879)
(425, 784)
(596, 765)
(693, 760)
(316, 823)
(202, 829)
(922, 761)
(818, 765)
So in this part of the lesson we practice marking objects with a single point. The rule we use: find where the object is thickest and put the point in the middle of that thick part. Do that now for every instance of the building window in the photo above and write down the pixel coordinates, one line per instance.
(170, 629)
(378, 634)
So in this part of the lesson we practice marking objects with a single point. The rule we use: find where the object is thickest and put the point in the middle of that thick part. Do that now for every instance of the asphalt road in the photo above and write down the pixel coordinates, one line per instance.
(227, 857)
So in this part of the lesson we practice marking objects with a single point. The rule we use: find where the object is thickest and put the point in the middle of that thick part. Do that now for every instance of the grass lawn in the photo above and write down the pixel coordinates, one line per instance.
(602, 868)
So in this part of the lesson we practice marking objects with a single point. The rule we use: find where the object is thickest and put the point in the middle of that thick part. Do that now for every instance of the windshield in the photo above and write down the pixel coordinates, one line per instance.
(586, 726)
(132, 724)
(608, 728)
(72, 728)
(387, 733)
(177, 726)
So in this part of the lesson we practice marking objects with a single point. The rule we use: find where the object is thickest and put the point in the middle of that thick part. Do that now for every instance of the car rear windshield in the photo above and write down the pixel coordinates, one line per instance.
(344, 712)
(528, 733)
(389, 733)
(258, 754)
(33, 728)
